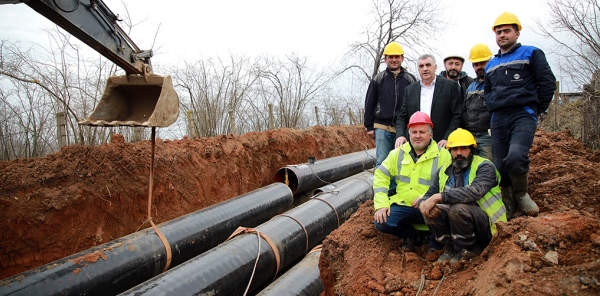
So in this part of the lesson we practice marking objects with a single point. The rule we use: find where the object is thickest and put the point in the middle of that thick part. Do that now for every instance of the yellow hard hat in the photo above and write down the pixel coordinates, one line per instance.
(480, 53)
(460, 138)
(393, 48)
(507, 18)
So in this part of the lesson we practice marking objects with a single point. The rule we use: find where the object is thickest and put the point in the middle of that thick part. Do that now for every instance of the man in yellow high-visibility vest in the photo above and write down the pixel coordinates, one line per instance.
(464, 202)
(412, 167)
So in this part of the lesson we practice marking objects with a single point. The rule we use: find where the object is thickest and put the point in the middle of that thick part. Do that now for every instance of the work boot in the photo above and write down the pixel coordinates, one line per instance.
(466, 254)
(408, 244)
(448, 253)
(519, 184)
(509, 201)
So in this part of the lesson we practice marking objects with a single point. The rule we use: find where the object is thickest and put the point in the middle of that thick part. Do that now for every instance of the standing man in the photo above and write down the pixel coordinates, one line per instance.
(475, 116)
(437, 96)
(464, 203)
(518, 86)
(412, 167)
(453, 65)
(384, 99)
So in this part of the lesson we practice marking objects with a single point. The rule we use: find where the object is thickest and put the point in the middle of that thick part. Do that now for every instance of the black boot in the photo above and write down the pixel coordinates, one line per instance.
(527, 205)
(509, 201)
(408, 244)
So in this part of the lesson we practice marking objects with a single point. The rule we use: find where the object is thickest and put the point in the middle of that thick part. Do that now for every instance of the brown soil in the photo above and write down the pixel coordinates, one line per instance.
(82, 196)
(564, 181)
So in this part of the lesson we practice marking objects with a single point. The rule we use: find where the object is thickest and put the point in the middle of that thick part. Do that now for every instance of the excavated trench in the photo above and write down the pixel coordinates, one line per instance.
(79, 263)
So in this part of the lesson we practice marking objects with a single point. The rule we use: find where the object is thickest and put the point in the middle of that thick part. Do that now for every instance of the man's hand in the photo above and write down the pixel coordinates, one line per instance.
(401, 140)
(415, 203)
(428, 207)
(381, 215)
(371, 133)
(442, 143)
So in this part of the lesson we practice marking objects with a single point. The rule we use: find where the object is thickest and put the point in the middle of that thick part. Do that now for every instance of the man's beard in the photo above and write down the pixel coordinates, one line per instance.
(453, 74)
(460, 162)
(481, 74)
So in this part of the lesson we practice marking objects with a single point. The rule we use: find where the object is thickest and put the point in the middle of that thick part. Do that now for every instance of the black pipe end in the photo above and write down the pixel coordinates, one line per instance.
(291, 177)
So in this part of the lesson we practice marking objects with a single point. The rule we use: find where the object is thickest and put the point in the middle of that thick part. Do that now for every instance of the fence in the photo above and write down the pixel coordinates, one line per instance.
(331, 115)
(581, 117)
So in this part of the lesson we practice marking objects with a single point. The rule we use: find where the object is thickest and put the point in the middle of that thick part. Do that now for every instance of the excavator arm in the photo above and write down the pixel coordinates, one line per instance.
(140, 98)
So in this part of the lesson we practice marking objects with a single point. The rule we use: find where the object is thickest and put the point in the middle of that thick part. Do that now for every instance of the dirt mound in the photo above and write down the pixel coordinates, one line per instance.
(82, 196)
(556, 253)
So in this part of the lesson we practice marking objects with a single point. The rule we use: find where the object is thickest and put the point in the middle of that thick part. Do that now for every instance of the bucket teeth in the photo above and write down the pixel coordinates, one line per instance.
(136, 100)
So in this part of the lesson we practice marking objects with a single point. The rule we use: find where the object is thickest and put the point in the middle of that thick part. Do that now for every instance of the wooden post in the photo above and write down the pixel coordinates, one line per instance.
(231, 122)
(334, 121)
(138, 134)
(271, 119)
(362, 115)
(317, 114)
(556, 98)
(352, 120)
(191, 131)
(61, 129)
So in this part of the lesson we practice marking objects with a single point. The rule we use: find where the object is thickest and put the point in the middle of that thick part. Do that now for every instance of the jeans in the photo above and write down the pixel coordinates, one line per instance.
(384, 143)
(400, 221)
(512, 136)
(484, 146)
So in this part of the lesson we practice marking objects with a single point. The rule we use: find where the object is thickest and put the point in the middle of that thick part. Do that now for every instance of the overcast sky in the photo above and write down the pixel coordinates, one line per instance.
(321, 30)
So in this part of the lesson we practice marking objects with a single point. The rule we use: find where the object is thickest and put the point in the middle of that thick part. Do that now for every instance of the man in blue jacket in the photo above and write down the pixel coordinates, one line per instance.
(384, 99)
(518, 86)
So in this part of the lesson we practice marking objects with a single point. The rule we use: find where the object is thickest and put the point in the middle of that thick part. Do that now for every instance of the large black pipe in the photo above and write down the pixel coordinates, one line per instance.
(118, 265)
(303, 279)
(228, 268)
(334, 185)
(307, 176)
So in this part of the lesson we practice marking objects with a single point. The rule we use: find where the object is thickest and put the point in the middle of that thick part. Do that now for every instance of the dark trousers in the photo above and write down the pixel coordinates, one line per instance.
(512, 136)
(464, 225)
(400, 221)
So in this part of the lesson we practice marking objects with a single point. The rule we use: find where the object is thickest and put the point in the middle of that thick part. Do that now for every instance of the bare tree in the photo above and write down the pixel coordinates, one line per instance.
(413, 23)
(574, 26)
(39, 82)
(211, 88)
(291, 84)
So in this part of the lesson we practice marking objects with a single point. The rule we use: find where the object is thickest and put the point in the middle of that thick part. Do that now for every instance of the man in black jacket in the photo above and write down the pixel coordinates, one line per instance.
(435, 95)
(384, 99)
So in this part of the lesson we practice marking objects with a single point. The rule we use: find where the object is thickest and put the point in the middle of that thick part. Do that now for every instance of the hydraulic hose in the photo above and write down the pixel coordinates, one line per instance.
(249, 261)
(118, 265)
(307, 176)
(303, 279)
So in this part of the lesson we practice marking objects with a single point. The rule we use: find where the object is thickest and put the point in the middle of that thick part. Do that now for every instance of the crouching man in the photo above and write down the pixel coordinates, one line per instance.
(412, 167)
(464, 202)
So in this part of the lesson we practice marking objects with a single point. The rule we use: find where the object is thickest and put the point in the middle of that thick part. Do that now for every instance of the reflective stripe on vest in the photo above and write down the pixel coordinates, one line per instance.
(406, 200)
(491, 202)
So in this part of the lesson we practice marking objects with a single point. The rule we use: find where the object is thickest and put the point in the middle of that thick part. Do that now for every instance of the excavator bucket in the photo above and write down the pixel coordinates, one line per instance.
(136, 100)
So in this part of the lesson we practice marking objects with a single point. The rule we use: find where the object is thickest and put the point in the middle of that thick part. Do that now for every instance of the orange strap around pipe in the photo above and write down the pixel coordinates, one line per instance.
(241, 230)
(158, 232)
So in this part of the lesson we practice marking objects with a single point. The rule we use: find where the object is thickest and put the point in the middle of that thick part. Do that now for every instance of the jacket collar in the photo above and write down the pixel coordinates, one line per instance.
(499, 54)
